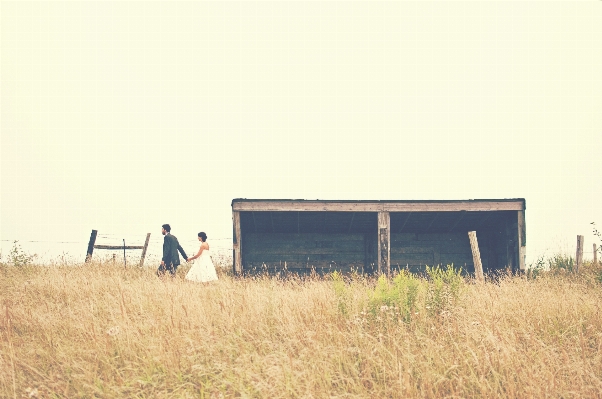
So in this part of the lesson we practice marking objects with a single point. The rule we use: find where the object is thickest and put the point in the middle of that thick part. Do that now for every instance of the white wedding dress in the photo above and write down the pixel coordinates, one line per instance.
(203, 269)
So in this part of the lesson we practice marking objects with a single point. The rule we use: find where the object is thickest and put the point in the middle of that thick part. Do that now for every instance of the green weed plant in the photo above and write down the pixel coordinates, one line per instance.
(341, 292)
(561, 262)
(17, 257)
(444, 289)
(405, 295)
(398, 297)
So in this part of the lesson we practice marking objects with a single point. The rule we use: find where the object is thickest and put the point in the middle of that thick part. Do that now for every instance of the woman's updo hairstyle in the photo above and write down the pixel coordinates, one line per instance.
(203, 236)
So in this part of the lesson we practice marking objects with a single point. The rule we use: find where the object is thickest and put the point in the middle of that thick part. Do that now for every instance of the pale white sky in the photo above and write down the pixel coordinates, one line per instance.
(123, 116)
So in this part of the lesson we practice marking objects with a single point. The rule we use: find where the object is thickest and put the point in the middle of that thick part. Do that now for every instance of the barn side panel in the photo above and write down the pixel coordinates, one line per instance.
(420, 239)
(413, 251)
(300, 242)
(301, 253)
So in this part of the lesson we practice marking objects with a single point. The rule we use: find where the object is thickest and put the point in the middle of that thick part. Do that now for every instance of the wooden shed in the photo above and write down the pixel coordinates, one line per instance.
(376, 236)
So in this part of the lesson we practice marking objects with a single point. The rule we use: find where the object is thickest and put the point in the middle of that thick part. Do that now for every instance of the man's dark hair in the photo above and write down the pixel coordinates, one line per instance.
(166, 227)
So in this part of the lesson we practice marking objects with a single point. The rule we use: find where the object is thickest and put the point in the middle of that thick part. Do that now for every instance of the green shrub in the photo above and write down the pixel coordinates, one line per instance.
(407, 287)
(444, 290)
(536, 268)
(398, 297)
(341, 292)
(17, 257)
(561, 263)
(403, 296)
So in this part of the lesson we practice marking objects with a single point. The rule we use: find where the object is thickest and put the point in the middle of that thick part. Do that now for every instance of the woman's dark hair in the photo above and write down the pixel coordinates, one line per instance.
(203, 236)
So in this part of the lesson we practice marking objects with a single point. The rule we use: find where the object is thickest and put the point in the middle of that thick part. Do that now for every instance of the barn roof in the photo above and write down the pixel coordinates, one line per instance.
(474, 205)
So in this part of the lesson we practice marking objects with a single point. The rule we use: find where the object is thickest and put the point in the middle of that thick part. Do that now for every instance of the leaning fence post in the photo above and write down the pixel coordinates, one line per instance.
(91, 245)
(144, 249)
(476, 255)
(579, 255)
(595, 254)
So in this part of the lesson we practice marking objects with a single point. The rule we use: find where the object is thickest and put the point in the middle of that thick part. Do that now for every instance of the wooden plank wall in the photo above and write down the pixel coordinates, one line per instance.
(416, 251)
(347, 251)
(299, 253)
(512, 260)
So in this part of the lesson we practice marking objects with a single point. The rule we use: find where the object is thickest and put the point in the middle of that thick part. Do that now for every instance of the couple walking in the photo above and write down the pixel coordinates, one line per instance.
(201, 271)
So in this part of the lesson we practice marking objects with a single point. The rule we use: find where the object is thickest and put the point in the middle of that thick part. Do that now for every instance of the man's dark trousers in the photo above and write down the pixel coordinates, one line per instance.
(167, 268)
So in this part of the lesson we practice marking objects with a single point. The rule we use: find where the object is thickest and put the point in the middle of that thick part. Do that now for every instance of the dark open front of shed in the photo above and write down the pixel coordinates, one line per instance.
(376, 236)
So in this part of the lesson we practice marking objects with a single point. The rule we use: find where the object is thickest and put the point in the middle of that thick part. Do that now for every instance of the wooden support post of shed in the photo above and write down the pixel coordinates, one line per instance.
(476, 256)
(237, 244)
(595, 255)
(579, 255)
(91, 245)
(384, 243)
(522, 241)
(144, 249)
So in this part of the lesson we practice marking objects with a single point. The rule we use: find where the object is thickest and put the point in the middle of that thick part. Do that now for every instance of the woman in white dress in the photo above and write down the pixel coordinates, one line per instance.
(202, 270)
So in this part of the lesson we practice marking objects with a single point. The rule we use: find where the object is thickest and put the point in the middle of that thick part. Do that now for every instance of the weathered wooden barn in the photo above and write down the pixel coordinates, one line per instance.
(376, 236)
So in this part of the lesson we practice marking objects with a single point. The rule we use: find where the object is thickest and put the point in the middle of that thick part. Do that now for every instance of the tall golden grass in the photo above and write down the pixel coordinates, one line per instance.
(99, 330)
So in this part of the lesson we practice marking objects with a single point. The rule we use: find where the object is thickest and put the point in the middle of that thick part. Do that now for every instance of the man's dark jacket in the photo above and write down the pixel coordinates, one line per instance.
(171, 246)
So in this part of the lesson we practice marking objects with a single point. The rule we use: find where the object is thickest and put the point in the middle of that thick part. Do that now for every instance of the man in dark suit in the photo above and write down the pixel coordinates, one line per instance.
(171, 246)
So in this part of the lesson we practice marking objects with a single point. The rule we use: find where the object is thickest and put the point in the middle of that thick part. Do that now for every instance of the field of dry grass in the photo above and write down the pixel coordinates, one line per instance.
(98, 330)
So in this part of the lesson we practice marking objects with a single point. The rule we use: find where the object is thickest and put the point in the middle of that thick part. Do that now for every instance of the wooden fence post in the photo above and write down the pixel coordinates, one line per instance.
(476, 256)
(579, 255)
(91, 245)
(144, 249)
(595, 254)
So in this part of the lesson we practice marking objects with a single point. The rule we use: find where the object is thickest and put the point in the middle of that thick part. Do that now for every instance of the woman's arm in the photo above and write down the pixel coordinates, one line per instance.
(199, 253)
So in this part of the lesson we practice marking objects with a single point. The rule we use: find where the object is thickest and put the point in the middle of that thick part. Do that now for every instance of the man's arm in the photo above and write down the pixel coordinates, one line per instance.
(181, 250)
